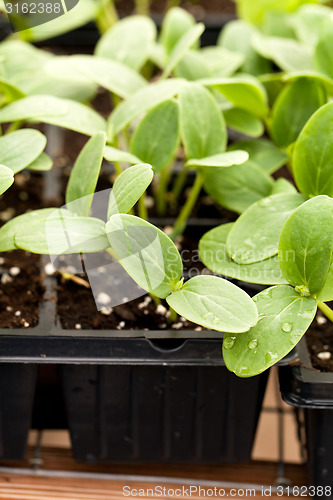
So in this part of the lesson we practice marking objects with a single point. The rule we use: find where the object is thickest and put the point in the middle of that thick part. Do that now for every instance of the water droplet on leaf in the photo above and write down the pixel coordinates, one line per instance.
(229, 342)
(252, 344)
(286, 327)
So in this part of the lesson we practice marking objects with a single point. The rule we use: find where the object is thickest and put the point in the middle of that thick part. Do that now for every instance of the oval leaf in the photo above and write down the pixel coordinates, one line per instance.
(146, 253)
(117, 155)
(6, 178)
(156, 139)
(214, 303)
(175, 23)
(306, 244)
(213, 253)
(221, 160)
(255, 234)
(284, 316)
(313, 153)
(263, 153)
(244, 122)
(20, 148)
(202, 125)
(128, 188)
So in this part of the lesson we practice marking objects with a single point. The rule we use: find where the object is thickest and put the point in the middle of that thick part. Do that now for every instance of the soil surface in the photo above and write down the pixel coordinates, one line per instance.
(319, 339)
(197, 7)
(21, 291)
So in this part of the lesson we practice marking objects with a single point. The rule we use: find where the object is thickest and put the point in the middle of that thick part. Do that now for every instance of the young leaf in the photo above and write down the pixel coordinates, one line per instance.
(220, 160)
(221, 61)
(213, 253)
(193, 66)
(182, 47)
(288, 54)
(6, 178)
(281, 186)
(62, 233)
(11, 91)
(214, 303)
(323, 58)
(55, 111)
(263, 153)
(18, 224)
(238, 187)
(146, 253)
(244, 91)
(284, 316)
(84, 176)
(255, 234)
(312, 160)
(309, 21)
(128, 41)
(306, 244)
(128, 188)
(202, 126)
(156, 139)
(236, 36)
(326, 293)
(42, 163)
(20, 148)
(115, 154)
(113, 75)
(175, 23)
(244, 122)
(293, 107)
(142, 101)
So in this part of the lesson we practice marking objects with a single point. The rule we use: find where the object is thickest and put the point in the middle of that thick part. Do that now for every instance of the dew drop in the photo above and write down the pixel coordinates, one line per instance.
(208, 316)
(270, 356)
(229, 342)
(286, 327)
(252, 344)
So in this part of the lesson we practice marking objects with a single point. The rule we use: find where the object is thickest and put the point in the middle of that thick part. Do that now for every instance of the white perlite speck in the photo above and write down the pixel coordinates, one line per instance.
(103, 298)
(26, 324)
(17, 313)
(78, 326)
(177, 326)
(324, 356)
(161, 309)
(49, 269)
(121, 325)
(5, 278)
(321, 320)
(14, 271)
(106, 311)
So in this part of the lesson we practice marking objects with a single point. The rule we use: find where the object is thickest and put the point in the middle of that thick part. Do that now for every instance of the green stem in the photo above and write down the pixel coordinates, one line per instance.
(13, 126)
(173, 318)
(326, 310)
(107, 17)
(186, 211)
(157, 300)
(142, 7)
(161, 201)
(142, 209)
(179, 185)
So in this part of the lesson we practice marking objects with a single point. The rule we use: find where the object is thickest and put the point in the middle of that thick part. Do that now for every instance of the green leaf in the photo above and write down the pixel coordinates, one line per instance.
(20, 148)
(6, 178)
(284, 316)
(62, 233)
(309, 22)
(326, 82)
(202, 126)
(221, 61)
(313, 154)
(193, 66)
(238, 187)
(255, 12)
(306, 244)
(288, 54)
(18, 224)
(244, 91)
(214, 303)
(142, 101)
(84, 176)
(263, 153)
(220, 160)
(146, 253)
(326, 293)
(255, 234)
(182, 46)
(293, 107)
(244, 122)
(11, 91)
(115, 154)
(112, 75)
(156, 139)
(128, 188)
(236, 36)
(55, 111)
(128, 41)
(176, 22)
(283, 186)
(42, 163)
(213, 253)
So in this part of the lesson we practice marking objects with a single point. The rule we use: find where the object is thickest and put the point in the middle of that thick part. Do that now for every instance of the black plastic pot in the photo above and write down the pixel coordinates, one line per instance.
(17, 387)
(312, 391)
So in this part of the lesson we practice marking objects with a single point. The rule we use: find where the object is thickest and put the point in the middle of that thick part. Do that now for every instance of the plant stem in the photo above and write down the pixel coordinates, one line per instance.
(13, 126)
(173, 316)
(157, 300)
(142, 209)
(179, 185)
(161, 202)
(142, 7)
(107, 17)
(326, 310)
(186, 211)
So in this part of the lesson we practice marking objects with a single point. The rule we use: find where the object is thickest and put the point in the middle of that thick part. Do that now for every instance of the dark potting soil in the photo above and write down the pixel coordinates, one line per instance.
(319, 339)
(197, 7)
(21, 290)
